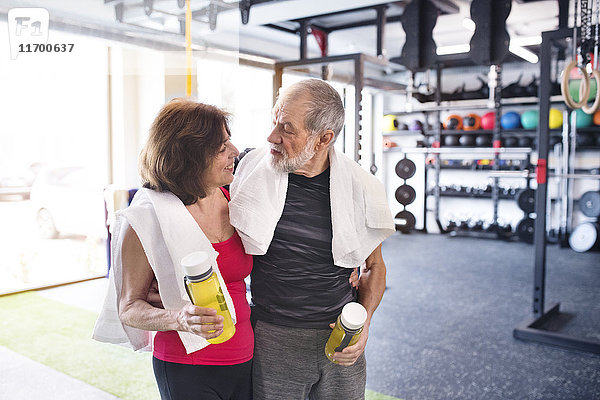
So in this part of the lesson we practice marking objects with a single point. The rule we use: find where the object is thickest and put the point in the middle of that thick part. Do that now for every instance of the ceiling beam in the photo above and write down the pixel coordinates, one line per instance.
(273, 12)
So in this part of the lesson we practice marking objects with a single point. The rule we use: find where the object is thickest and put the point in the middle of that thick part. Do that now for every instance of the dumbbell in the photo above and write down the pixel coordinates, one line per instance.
(477, 225)
(463, 225)
(451, 225)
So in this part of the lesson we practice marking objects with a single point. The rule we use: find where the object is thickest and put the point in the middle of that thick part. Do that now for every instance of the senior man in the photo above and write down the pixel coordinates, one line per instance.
(309, 215)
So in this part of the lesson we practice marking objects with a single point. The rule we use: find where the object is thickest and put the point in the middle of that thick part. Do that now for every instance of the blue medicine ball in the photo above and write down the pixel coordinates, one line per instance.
(510, 120)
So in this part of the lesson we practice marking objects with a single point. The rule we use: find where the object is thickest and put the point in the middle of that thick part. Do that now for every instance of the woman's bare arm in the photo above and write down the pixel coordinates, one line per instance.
(134, 309)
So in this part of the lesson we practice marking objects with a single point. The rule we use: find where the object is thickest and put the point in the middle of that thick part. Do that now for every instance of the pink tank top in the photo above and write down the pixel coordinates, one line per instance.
(234, 265)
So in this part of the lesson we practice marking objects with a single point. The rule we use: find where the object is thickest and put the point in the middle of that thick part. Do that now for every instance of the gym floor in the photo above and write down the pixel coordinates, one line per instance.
(444, 327)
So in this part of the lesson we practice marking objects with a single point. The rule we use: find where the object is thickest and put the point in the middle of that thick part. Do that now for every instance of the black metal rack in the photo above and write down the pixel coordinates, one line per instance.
(495, 103)
(532, 329)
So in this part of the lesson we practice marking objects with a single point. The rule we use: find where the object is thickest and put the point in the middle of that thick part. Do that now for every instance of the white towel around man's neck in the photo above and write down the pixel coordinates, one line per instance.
(168, 232)
(360, 215)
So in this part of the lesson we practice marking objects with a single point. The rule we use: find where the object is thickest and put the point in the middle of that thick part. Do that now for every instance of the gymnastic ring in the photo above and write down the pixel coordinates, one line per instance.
(564, 86)
(596, 105)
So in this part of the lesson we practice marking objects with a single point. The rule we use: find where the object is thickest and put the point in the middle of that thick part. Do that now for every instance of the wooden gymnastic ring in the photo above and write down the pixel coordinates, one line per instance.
(564, 86)
(596, 105)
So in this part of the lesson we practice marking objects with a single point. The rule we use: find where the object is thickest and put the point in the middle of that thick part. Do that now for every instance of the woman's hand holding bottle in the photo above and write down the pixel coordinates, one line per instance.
(200, 321)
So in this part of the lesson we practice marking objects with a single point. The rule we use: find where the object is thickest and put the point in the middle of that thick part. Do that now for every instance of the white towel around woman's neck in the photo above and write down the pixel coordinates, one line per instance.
(168, 232)
(360, 215)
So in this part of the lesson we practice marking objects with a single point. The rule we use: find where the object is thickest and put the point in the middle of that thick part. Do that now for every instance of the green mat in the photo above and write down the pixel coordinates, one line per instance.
(59, 336)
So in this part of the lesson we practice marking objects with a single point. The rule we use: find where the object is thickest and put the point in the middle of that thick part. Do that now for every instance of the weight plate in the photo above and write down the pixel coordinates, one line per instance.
(584, 237)
(589, 204)
(525, 229)
(526, 200)
(405, 221)
(405, 168)
(405, 194)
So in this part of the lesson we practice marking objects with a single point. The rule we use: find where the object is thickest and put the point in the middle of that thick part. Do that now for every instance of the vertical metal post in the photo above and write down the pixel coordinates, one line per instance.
(437, 141)
(303, 39)
(563, 14)
(381, 19)
(496, 90)
(564, 168)
(570, 169)
(541, 194)
(277, 82)
(358, 87)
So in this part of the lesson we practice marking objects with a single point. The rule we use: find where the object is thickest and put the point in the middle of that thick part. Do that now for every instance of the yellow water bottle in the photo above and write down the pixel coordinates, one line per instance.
(203, 287)
(347, 329)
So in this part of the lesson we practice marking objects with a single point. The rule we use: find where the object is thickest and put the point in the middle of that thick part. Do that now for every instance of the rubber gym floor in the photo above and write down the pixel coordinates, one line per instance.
(444, 327)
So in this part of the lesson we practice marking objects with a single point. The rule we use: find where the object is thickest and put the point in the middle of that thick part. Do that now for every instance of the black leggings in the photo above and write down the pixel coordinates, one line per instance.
(203, 382)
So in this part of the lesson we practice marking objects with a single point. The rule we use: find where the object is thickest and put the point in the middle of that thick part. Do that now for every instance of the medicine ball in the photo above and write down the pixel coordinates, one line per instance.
(555, 119)
(488, 121)
(390, 123)
(585, 139)
(471, 122)
(529, 119)
(453, 122)
(596, 118)
(524, 141)
(466, 140)
(511, 141)
(510, 120)
(583, 119)
(451, 140)
(483, 141)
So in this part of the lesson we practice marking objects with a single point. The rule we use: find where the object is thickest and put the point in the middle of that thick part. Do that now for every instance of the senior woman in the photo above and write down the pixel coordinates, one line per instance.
(185, 163)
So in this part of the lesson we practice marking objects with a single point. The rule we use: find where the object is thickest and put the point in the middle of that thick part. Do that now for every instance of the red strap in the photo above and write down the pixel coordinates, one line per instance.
(540, 171)
(497, 144)
(321, 37)
(226, 193)
(436, 144)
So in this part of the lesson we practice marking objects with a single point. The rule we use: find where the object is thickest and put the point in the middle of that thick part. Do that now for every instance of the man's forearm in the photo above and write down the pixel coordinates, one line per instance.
(372, 283)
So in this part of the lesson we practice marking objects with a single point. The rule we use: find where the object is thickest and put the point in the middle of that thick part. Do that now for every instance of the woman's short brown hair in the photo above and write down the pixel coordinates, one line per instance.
(183, 139)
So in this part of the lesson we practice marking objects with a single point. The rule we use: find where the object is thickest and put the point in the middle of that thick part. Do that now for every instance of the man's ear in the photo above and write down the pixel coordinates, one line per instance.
(325, 138)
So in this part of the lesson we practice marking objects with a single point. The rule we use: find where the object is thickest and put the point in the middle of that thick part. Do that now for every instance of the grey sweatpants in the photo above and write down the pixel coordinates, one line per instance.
(290, 364)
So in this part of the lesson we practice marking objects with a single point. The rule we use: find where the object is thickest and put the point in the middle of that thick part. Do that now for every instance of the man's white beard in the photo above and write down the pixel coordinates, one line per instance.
(285, 164)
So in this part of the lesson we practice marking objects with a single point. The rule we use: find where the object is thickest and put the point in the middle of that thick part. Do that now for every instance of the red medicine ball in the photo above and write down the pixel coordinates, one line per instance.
(487, 121)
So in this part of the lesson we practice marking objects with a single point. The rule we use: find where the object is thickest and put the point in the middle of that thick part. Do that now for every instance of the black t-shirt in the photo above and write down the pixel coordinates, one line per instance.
(296, 283)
